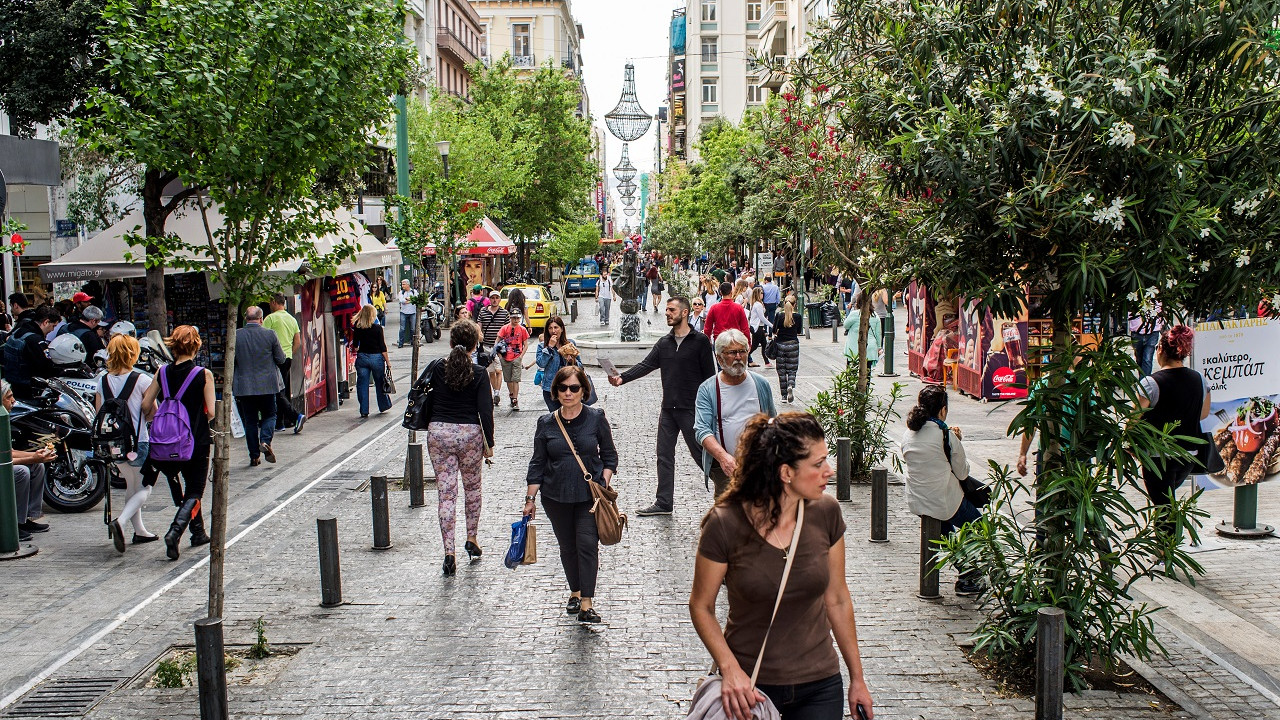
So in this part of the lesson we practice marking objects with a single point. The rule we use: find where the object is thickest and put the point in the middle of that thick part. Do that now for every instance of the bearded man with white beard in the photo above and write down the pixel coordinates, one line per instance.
(726, 401)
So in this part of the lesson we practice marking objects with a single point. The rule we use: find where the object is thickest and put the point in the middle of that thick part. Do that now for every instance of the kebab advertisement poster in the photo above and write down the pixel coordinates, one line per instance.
(1235, 357)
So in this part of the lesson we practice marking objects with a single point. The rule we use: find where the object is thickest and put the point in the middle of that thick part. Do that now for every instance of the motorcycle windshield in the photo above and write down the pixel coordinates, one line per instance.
(70, 401)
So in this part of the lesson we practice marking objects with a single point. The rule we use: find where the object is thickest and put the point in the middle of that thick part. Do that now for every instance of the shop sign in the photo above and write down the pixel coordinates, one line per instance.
(1235, 358)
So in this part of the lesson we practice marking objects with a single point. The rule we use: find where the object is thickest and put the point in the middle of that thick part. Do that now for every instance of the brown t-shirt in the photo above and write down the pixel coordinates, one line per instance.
(800, 647)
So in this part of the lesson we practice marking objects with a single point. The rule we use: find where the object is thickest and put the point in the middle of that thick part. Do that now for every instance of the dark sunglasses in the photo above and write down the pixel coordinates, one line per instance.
(570, 388)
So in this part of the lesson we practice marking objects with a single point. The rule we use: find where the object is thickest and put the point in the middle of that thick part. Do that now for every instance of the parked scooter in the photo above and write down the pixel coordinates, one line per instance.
(75, 481)
(432, 321)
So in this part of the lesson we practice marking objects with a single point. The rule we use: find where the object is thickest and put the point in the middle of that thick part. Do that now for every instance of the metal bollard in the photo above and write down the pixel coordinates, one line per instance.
(844, 467)
(381, 514)
(573, 311)
(1050, 622)
(413, 471)
(835, 329)
(330, 565)
(880, 505)
(211, 669)
(930, 533)
(886, 325)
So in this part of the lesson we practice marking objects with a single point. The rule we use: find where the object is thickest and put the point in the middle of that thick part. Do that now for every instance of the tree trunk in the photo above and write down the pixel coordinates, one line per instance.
(448, 294)
(154, 216)
(417, 344)
(221, 472)
(864, 375)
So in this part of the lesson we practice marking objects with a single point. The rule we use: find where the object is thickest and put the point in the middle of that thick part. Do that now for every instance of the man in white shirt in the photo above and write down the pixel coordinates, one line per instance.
(408, 313)
(726, 401)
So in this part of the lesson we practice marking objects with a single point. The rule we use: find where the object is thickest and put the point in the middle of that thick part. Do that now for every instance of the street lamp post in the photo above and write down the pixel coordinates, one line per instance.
(443, 148)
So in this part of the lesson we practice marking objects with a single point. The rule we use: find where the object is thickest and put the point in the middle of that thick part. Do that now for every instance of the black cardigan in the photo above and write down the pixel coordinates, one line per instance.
(553, 466)
(683, 368)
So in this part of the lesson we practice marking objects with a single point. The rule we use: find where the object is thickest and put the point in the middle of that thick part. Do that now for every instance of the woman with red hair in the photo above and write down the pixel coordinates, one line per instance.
(1173, 394)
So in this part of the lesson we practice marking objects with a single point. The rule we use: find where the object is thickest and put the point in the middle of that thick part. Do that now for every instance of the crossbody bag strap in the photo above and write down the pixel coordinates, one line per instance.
(585, 475)
(719, 411)
(782, 586)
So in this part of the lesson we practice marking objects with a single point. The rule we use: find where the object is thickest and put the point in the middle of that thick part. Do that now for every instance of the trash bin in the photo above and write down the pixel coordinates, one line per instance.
(816, 318)
(830, 314)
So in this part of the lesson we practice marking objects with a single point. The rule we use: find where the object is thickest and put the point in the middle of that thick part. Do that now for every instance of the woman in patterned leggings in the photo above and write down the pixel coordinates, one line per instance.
(459, 435)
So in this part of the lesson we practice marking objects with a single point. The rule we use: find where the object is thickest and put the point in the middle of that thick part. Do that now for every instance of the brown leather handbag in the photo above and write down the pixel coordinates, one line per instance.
(609, 521)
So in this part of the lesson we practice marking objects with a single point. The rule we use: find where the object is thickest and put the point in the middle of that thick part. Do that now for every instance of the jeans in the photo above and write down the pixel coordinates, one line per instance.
(604, 309)
(550, 400)
(817, 700)
(672, 423)
(575, 529)
(371, 365)
(258, 414)
(286, 416)
(644, 300)
(770, 311)
(406, 328)
(965, 514)
(1144, 349)
(28, 481)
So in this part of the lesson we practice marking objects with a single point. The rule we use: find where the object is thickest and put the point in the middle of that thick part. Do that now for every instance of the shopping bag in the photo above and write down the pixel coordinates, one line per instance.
(530, 545)
(237, 426)
(519, 539)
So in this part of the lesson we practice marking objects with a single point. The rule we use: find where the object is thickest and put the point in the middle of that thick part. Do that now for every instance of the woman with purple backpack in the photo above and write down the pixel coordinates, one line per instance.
(180, 404)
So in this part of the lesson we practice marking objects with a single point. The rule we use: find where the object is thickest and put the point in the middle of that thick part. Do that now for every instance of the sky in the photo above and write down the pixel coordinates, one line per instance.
(617, 32)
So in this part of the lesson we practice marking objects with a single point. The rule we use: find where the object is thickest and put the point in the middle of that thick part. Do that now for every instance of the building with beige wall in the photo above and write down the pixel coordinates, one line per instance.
(458, 37)
(533, 32)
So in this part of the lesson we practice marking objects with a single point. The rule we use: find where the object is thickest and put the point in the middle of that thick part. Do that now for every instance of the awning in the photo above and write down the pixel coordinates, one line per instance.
(103, 257)
(486, 239)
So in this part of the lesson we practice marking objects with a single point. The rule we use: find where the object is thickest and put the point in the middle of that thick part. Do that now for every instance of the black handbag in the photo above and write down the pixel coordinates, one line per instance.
(975, 491)
(1208, 457)
(771, 349)
(417, 414)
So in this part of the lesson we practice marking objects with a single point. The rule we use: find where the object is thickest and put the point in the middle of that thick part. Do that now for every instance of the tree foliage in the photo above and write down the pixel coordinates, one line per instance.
(248, 102)
(49, 58)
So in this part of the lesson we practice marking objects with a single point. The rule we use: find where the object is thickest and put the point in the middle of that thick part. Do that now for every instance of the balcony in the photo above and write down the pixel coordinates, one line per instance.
(773, 28)
(770, 79)
(568, 63)
(450, 44)
(523, 61)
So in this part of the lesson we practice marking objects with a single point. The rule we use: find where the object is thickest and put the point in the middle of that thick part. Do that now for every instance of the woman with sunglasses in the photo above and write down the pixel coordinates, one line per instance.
(555, 471)
(697, 313)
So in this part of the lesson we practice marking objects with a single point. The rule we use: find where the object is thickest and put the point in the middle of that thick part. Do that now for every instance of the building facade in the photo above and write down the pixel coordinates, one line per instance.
(533, 32)
(458, 38)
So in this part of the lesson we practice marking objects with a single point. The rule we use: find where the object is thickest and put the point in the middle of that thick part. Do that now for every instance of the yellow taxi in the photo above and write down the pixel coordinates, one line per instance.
(538, 304)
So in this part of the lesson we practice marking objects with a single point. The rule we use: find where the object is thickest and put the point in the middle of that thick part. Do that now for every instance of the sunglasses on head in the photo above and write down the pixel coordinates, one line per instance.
(570, 388)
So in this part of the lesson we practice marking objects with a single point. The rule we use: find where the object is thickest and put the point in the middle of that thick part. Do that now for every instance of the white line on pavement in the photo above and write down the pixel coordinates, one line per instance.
(123, 618)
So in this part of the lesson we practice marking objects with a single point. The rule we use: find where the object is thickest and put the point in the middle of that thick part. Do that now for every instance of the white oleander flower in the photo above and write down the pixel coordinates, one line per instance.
(1121, 86)
(1114, 214)
(1077, 102)
(1121, 134)
(1242, 260)
(1087, 199)
(1171, 283)
(1204, 266)
(1042, 5)
(1204, 232)
(1151, 292)
(1133, 296)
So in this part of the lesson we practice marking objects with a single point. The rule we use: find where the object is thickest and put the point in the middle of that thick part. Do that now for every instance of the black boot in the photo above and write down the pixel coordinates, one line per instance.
(198, 535)
(186, 511)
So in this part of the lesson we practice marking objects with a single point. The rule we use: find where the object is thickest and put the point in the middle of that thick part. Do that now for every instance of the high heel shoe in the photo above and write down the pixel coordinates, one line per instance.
(450, 566)
(473, 551)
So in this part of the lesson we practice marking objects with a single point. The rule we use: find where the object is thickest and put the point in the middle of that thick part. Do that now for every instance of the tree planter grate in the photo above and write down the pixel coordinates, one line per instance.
(69, 697)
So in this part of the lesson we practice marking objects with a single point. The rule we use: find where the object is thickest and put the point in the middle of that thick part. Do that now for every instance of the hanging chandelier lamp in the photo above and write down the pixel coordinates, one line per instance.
(628, 121)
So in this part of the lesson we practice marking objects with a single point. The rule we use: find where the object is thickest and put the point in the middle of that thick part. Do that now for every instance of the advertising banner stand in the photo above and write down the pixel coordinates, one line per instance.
(1243, 425)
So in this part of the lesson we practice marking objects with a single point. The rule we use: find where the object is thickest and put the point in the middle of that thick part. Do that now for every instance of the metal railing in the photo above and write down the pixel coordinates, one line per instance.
(523, 61)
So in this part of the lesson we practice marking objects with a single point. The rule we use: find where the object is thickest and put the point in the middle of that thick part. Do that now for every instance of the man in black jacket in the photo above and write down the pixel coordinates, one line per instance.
(686, 359)
(23, 355)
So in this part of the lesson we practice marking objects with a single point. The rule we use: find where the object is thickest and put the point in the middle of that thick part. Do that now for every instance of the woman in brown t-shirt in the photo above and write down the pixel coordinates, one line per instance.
(745, 540)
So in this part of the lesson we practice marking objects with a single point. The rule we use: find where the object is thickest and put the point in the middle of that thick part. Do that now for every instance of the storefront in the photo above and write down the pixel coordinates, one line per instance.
(483, 263)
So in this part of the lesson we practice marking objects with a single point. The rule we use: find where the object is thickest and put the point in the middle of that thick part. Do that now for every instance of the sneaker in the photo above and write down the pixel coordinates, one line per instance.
(302, 420)
(653, 509)
(31, 526)
(497, 399)
(268, 453)
(791, 394)
(24, 536)
(965, 588)
(515, 405)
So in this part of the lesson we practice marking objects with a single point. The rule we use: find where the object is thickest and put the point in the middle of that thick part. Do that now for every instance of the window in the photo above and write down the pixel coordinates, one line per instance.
(520, 40)
(710, 90)
(753, 11)
(756, 94)
(710, 50)
(708, 10)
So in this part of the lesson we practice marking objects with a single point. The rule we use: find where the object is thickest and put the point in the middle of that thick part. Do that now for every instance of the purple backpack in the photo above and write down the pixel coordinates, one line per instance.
(171, 436)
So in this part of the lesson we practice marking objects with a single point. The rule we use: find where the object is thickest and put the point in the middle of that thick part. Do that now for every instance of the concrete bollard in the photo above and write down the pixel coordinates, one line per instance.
(880, 505)
(1050, 622)
(930, 533)
(330, 565)
(844, 467)
(381, 513)
(413, 471)
(211, 669)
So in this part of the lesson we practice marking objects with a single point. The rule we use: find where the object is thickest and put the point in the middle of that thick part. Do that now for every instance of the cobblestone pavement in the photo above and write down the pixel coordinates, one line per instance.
(494, 643)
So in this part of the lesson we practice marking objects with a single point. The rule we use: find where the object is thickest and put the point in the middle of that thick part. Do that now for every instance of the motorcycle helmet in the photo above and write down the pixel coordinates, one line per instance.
(67, 350)
(124, 327)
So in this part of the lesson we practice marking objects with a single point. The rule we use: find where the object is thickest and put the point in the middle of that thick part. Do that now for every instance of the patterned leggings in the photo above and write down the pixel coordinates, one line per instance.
(456, 450)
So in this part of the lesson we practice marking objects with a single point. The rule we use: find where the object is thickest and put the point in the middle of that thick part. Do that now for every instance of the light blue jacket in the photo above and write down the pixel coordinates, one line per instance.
(708, 408)
(874, 336)
(550, 361)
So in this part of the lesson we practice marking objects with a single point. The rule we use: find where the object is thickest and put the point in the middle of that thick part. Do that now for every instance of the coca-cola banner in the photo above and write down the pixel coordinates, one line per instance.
(1004, 370)
(1236, 359)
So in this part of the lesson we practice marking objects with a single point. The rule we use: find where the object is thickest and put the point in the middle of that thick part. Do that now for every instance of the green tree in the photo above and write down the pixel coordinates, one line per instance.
(249, 102)
(49, 59)
(1109, 154)
(569, 242)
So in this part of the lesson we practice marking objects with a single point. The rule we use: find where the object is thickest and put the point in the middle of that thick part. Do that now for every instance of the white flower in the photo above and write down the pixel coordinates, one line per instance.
(1148, 55)
(1113, 214)
(1242, 260)
(1121, 134)
(1122, 87)
(1042, 5)
(1275, 300)
(1151, 291)
(1248, 208)
(1266, 245)
(1171, 283)
(1204, 266)
(1087, 199)
(1162, 72)
(1204, 232)
(1133, 296)
(1053, 95)
(1077, 102)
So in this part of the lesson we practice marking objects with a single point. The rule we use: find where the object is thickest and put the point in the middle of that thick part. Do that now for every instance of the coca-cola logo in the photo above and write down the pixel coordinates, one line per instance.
(1004, 376)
